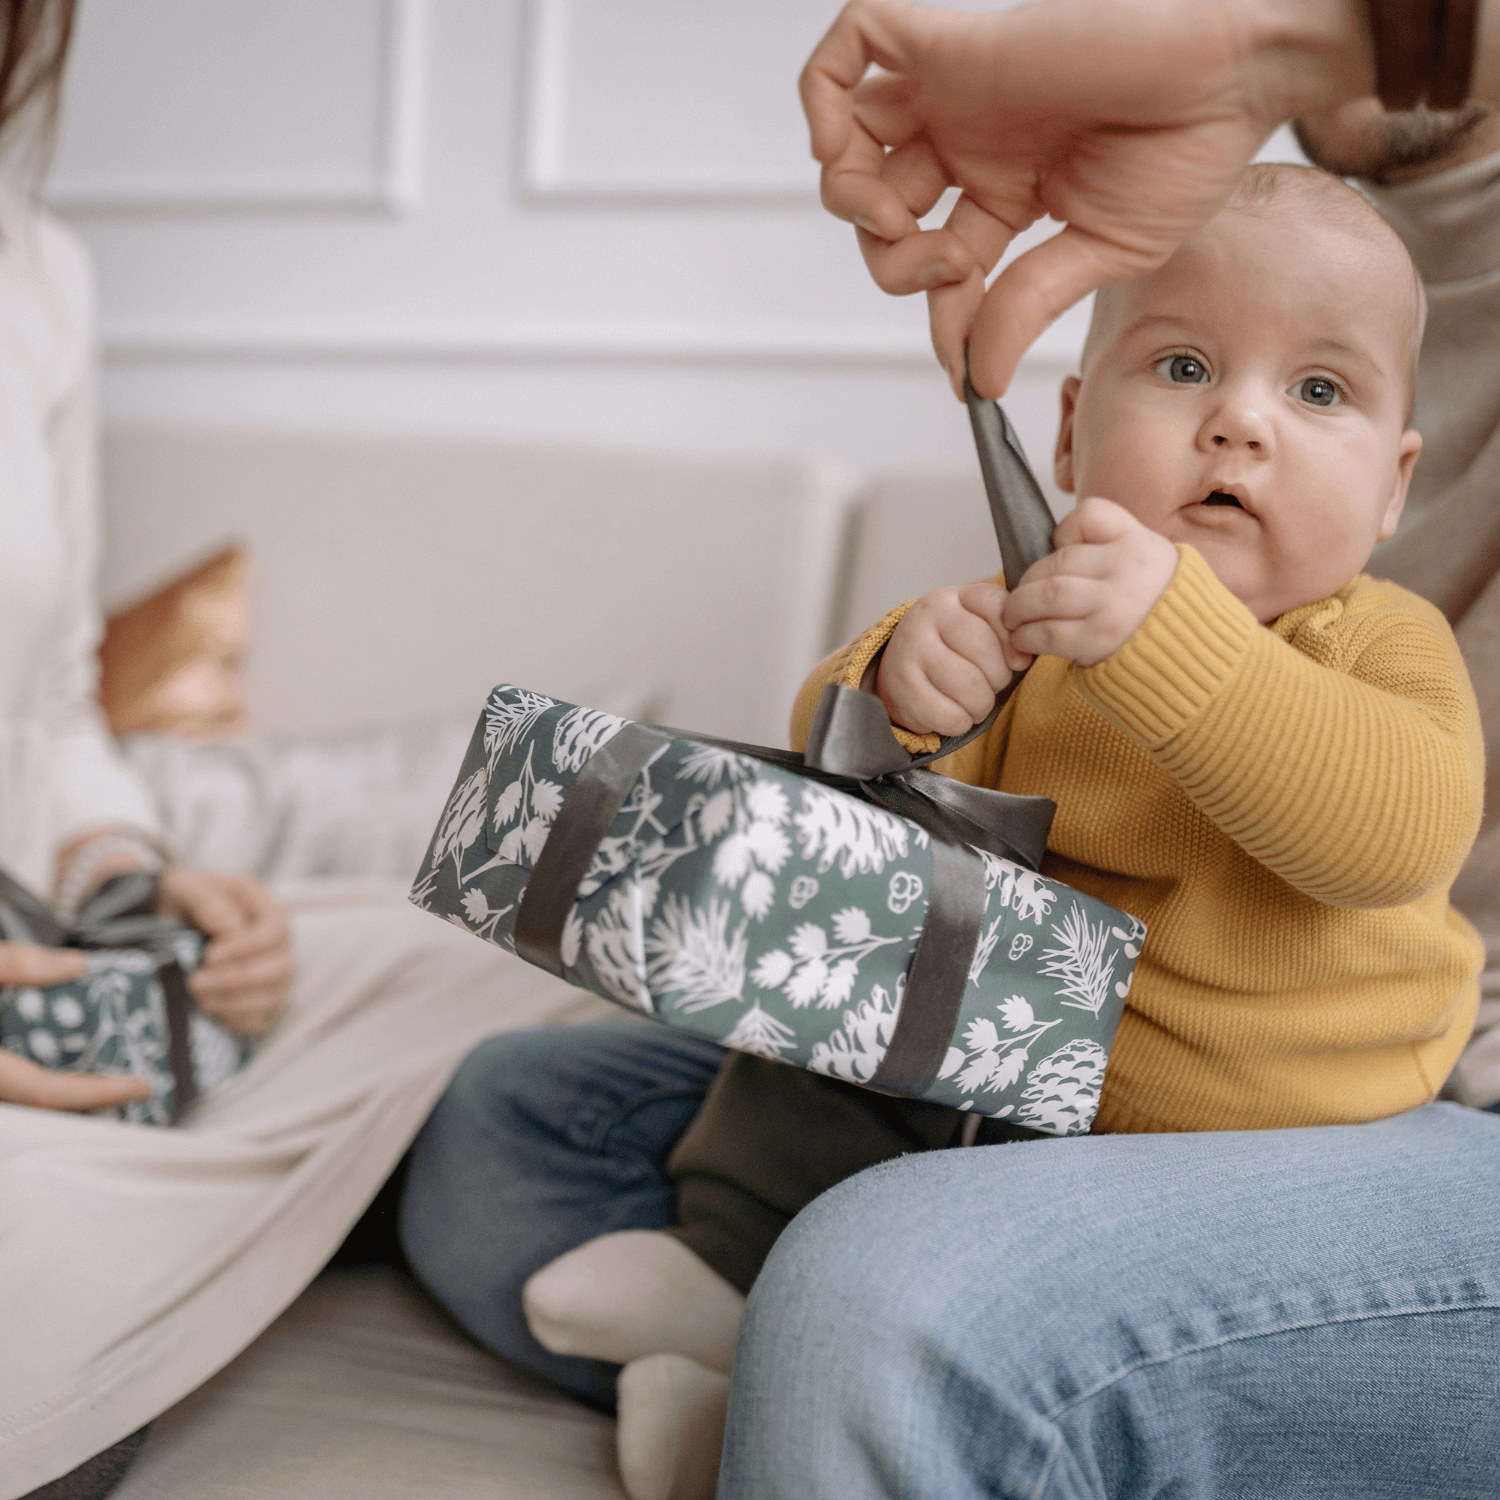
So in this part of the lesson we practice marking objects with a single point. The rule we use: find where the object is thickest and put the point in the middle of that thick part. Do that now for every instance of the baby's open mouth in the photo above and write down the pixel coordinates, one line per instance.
(1223, 497)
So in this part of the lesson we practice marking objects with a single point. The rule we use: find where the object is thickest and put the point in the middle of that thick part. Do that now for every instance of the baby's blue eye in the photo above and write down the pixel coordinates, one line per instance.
(1184, 369)
(1316, 391)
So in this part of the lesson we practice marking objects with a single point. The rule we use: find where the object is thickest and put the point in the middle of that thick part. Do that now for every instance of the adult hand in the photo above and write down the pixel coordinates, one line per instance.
(948, 657)
(23, 1081)
(1127, 120)
(247, 965)
(1087, 597)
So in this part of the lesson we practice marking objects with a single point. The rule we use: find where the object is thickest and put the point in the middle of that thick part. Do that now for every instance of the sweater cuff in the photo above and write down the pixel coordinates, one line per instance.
(857, 663)
(1179, 658)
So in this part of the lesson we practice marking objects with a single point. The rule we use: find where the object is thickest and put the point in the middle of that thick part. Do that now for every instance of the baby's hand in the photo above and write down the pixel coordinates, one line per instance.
(1086, 599)
(947, 659)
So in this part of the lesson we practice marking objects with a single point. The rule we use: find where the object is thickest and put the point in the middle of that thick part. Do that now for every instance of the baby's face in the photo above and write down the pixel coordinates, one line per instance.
(1250, 398)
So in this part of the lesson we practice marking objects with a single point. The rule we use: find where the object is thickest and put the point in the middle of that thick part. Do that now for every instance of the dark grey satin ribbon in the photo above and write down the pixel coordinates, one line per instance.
(582, 821)
(938, 975)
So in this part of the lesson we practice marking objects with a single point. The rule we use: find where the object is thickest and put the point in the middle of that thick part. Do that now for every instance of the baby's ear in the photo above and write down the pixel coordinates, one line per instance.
(1406, 460)
(1062, 459)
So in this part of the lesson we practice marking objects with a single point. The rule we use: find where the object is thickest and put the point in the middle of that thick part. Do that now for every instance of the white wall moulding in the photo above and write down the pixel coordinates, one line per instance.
(243, 106)
(791, 348)
(667, 101)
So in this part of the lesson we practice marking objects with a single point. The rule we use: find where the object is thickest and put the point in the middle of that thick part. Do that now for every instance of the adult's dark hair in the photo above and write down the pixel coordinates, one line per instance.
(33, 53)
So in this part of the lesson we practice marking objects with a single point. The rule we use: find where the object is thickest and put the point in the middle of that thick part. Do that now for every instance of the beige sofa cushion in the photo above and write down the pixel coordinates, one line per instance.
(360, 1390)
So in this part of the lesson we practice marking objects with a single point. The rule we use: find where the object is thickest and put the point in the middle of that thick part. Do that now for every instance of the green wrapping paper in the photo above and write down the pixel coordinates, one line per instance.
(778, 914)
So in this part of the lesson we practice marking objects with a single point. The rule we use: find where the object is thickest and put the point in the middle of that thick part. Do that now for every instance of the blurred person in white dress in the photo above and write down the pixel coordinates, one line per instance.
(134, 1262)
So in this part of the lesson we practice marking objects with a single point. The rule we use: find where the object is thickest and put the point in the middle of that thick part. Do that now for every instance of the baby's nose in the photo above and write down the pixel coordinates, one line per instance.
(1220, 440)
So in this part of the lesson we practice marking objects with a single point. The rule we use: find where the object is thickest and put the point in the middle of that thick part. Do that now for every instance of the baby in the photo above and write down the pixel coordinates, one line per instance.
(1270, 758)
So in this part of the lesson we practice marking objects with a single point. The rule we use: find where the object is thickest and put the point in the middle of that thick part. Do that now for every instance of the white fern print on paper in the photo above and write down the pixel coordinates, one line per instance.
(708, 765)
(984, 948)
(694, 957)
(1024, 891)
(816, 969)
(1082, 960)
(1062, 1091)
(580, 733)
(832, 827)
(482, 918)
(990, 1060)
(856, 1050)
(532, 803)
(760, 1033)
(509, 716)
(752, 856)
(458, 830)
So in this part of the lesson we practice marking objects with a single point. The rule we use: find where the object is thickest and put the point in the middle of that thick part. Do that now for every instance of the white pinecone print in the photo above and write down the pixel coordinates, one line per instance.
(1062, 1091)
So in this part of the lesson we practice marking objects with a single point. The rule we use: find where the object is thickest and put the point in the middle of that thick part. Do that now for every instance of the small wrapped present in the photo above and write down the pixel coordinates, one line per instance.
(129, 1012)
(773, 907)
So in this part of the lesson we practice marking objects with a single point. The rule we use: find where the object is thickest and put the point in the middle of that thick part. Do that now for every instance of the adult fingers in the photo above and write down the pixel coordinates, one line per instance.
(923, 258)
(222, 976)
(1031, 293)
(864, 32)
(917, 262)
(264, 925)
(30, 964)
(205, 899)
(952, 309)
(853, 184)
(248, 1012)
(24, 1082)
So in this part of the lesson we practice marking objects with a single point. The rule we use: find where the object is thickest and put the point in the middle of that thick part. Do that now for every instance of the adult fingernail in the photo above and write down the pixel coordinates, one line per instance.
(939, 273)
(866, 225)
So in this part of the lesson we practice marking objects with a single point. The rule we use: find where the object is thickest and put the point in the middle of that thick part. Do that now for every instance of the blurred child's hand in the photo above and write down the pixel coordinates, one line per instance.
(1086, 599)
(947, 659)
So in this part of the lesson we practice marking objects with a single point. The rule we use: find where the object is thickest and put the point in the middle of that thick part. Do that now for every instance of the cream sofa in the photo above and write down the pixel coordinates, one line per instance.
(395, 580)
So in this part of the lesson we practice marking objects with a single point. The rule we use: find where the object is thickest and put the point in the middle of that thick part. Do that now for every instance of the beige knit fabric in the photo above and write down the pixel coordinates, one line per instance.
(1448, 546)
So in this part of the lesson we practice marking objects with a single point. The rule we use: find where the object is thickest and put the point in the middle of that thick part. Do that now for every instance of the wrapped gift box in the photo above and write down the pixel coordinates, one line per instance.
(775, 913)
(113, 1019)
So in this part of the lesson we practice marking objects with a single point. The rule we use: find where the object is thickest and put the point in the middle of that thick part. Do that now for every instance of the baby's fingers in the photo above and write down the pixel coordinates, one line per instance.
(934, 693)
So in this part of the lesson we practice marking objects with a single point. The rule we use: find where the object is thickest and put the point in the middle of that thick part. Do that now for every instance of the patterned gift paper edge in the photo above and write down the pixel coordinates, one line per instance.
(508, 792)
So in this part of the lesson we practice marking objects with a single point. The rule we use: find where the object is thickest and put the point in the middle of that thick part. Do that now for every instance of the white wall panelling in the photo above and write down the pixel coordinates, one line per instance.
(617, 236)
(660, 100)
(270, 106)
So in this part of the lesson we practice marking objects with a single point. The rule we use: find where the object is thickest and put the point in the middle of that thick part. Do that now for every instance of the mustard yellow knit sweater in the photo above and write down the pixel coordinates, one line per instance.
(1285, 807)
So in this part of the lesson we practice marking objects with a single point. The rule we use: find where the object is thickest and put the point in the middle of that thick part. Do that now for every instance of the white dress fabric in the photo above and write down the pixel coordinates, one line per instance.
(135, 1261)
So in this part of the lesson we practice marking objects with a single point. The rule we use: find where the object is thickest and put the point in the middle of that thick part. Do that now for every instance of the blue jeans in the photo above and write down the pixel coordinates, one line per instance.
(1250, 1316)
(543, 1140)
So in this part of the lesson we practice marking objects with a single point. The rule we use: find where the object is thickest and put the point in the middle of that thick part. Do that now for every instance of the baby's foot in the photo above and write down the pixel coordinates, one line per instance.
(671, 1429)
(634, 1293)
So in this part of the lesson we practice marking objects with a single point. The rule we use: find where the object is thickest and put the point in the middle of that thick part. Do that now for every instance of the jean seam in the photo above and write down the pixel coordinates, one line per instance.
(1056, 1414)
(598, 1133)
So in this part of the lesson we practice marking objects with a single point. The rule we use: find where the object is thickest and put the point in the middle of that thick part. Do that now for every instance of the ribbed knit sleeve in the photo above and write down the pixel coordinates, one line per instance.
(1339, 748)
(847, 666)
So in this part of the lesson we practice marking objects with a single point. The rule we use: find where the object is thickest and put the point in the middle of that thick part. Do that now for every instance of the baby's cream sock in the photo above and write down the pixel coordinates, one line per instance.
(637, 1292)
(671, 1430)
(643, 1300)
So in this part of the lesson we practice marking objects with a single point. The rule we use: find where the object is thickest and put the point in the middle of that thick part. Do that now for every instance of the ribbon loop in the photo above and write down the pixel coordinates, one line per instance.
(851, 737)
